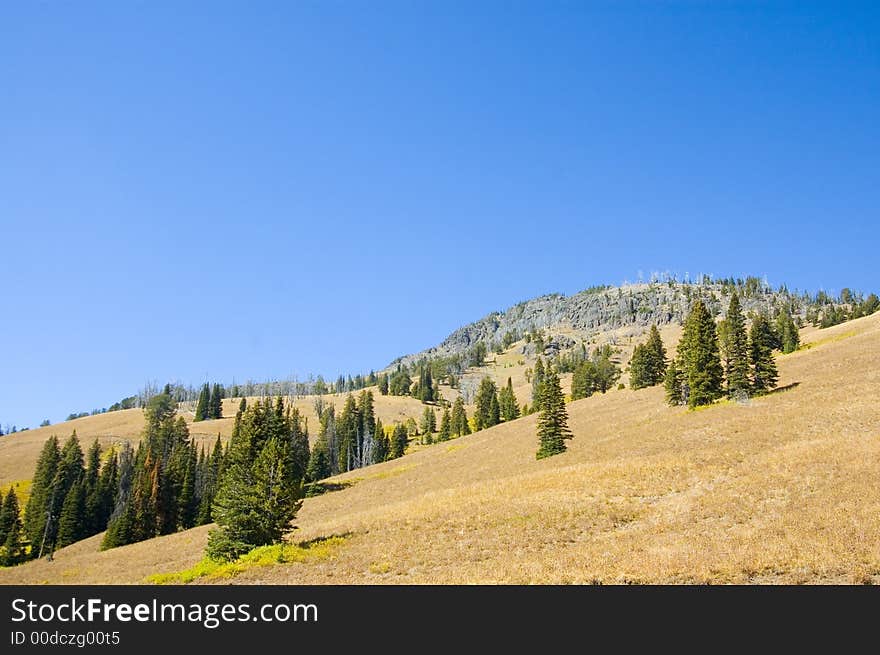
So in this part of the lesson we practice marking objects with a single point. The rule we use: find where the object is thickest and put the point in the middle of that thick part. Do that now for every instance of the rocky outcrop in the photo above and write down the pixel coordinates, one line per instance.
(594, 311)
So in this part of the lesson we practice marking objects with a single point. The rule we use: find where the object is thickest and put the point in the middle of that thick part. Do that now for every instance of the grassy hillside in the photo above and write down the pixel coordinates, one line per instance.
(785, 488)
(19, 451)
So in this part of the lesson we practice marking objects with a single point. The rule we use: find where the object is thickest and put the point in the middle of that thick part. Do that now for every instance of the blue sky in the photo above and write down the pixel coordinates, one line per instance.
(258, 189)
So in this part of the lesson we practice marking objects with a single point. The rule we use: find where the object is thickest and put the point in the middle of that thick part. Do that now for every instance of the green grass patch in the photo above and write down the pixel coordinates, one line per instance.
(832, 339)
(306, 551)
(717, 403)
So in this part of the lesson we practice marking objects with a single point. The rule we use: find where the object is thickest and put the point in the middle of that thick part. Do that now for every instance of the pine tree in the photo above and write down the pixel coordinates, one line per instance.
(382, 446)
(445, 426)
(656, 357)
(258, 494)
(8, 514)
(553, 422)
(73, 515)
(509, 409)
(12, 544)
(699, 358)
(399, 441)
(638, 370)
(90, 483)
(486, 413)
(583, 381)
(537, 381)
(215, 403)
(648, 364)
(104, 498)
(383, 384)
(43, 501)
(202, 406)
(319, 463)
(761, 338)
(460, 425)
(735, 347)
(347, 432)
(187, 505)
(787, 331)
(676, 390)
(429, 425)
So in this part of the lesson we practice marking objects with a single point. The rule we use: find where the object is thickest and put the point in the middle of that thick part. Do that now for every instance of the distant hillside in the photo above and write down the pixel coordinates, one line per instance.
(599, 310)
(784, 488)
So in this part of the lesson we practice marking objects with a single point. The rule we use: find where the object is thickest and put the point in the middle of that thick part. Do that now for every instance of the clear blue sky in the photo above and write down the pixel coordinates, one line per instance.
(255, 189)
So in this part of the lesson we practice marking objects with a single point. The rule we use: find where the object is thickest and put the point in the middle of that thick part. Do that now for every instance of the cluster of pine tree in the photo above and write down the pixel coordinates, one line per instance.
(166, 485)
(491, 406)
(261, 485)
(648, 364)
(698, 376)
(597, 374)
(354, 439)
(210, 403)
(71, 496)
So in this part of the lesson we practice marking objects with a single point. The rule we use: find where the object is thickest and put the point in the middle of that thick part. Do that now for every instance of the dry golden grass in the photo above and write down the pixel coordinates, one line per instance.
(785, 488)
(19, 452)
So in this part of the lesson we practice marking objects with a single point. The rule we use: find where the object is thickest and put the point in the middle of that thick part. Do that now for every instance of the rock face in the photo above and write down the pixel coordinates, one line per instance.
(598, 310)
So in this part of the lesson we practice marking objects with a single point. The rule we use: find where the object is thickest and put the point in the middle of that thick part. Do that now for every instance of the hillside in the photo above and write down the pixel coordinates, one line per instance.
(785, 488)
(601, 313)
(19, 451)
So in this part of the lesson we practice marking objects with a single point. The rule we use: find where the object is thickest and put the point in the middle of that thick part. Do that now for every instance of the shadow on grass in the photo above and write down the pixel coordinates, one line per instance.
(320, 488)
(320, 541)
(787, 387)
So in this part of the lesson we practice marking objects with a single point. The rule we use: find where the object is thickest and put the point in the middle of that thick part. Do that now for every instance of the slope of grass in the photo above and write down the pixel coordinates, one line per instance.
(785, 488)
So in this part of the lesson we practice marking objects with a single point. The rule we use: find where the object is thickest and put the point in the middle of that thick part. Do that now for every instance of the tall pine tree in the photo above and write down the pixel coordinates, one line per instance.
(553, 428)
(761, 339)
(735, 348)
(699, 358)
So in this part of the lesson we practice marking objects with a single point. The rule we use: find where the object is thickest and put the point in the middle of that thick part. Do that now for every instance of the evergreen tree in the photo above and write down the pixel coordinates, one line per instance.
(676, 389)
(509, 409)
(445, 426)
(648, 364)
(347, 432)
(537, 381)
(639, 375)
(553, 422)
(187, 505)
(486, 412)
(202, 406)
(761, 338)
(215, 403)
(400, 383)
(429, 424)
(90, 485)
(699, 358)
(399, 441)
(382, 447)
(104, 499)
(787, 331)
(9, 513)
(72, 521)
(43, 501)
(319, 463)
(460, 425)
(656, 357)
(734, 346)
(256, 502)
(383, 384)
(258, 494)
(12, 543)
